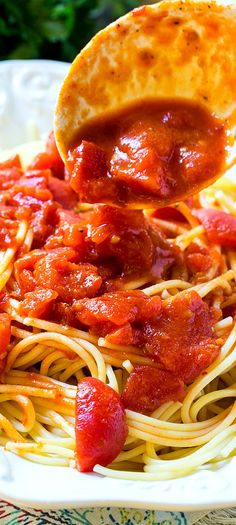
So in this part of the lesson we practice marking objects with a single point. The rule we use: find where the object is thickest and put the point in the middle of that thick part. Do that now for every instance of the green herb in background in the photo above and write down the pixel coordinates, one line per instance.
(54, 29)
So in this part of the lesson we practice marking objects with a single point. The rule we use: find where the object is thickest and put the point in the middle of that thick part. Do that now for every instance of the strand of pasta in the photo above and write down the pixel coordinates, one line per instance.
(221, 364)
(187, 213)
(209, 398)
(170, 226)
(161, 470)
(38, 412)
(175, 437)
(185, 239)
(166, 285)
(26, 414)
(93, 358)
(5, 276)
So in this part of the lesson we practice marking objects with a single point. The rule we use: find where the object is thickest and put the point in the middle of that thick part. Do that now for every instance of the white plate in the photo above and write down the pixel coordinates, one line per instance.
(28, 91)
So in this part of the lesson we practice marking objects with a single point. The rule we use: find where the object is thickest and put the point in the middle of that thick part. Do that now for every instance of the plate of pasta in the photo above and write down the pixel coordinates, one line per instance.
(117, 318)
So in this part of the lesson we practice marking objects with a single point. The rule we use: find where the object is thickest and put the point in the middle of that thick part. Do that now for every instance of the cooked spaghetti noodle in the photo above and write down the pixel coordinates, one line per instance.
(46, 359)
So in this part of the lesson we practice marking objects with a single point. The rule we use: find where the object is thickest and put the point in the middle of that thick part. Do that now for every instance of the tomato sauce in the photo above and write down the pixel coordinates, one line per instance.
(149, 154)
(176, 333)
(80, 263)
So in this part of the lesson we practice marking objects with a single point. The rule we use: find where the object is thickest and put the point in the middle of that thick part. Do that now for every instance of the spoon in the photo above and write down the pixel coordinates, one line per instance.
(147, 113)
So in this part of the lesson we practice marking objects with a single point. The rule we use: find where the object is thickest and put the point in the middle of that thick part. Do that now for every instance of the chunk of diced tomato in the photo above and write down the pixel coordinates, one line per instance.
(126, 236)
(62, 193)
(41, 161)
(38, 303)
(182, 339)
(220, 226)
(12, 162)
(148, 387)
(69, 232)
(100, 425)
(27, 262)
(8, 177)
(200, 259)
(71, 280)
(87, 165)
(169, 213)
(137, 160)
(49, 159)
(118, 308)
(7, 234)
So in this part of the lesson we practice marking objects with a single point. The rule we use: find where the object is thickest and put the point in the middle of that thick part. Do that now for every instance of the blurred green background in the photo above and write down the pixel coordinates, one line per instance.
(54, 29)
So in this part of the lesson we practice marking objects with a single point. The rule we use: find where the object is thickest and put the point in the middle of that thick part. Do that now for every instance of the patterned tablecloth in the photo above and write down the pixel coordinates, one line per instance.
(12, 515)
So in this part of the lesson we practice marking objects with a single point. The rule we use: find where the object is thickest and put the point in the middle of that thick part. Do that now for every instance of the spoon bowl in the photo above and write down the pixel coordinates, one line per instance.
(171, 50)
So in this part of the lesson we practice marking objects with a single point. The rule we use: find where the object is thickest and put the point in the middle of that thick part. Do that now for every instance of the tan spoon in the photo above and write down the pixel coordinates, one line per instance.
(173, 49)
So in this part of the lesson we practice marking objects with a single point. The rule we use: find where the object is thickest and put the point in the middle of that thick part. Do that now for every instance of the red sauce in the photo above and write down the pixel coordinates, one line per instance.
(5, 335)
(79, 264)
(147, 388)
(176, 333)
(148, 154)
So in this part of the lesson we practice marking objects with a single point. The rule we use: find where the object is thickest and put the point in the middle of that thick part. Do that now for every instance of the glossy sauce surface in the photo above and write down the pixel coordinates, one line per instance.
(148, 154)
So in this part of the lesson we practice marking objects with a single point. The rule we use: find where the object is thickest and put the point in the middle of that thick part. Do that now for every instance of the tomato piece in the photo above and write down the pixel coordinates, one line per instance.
(31, 188)
(8, 177)
(149, 154)
(38, 303)
(220, 226)
(12, 162)
(182, 339)
(40, 215)
(7, 212)
(62, 193)
(34, 183)
(117, 309)
(70, 280)
(45, 161)
(41, 161)
(123, 235)
(198, 259)
(5, 335)
(120, 242)
(100, 425)
(123, 335)
(88, 161)
(70, 232)
(27, 262)
(27, 282)
(42, 222)
(137, 160)
(147, 388)
(33, 201)
(7, 233)
(198, 262)
(57, 271)
(169, 213)
(24, 268)
(49, 159)
(128, 238)
(87, 165)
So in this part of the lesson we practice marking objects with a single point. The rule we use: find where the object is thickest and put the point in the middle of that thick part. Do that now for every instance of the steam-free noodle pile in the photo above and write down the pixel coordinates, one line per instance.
(46, 360)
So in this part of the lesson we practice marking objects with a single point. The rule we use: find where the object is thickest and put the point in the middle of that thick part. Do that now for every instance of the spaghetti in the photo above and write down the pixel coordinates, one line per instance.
(46, 358)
